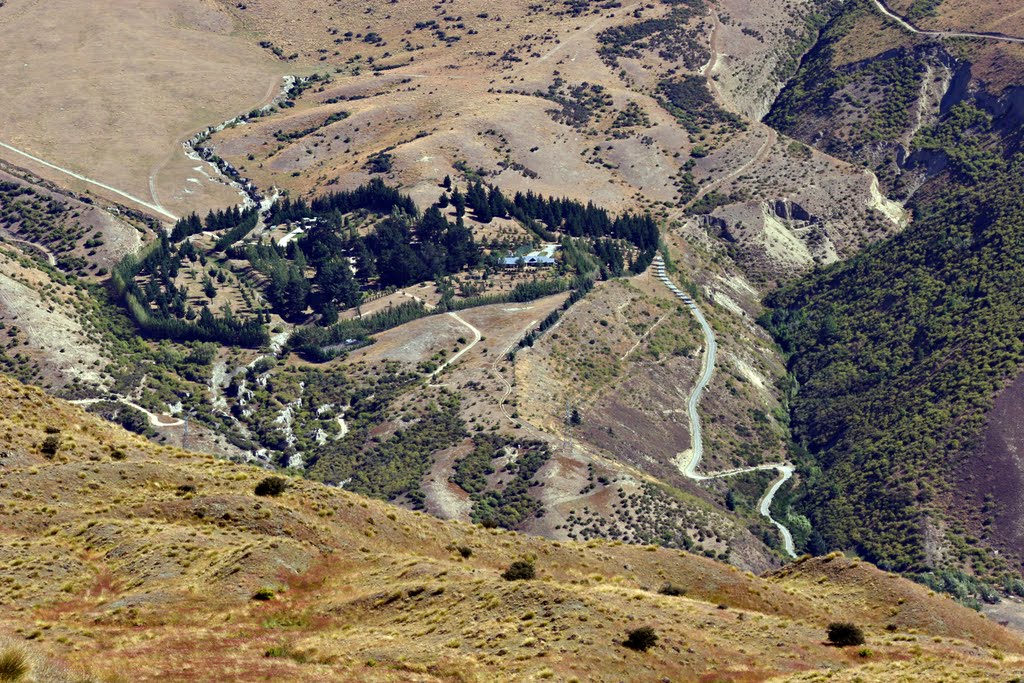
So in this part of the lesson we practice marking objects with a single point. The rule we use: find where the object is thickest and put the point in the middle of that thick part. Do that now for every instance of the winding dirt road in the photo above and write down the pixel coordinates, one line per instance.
(689, 461)
(50, 258)
(884, 9)
(508, 385)
(771, 135)
(154, 419)
(476, 340)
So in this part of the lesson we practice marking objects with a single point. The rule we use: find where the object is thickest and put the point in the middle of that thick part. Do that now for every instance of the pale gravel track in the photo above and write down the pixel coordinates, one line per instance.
(477, 336)
(154, 419)
(50, 258)
(135, 200)
(905, 24)
(696, 453)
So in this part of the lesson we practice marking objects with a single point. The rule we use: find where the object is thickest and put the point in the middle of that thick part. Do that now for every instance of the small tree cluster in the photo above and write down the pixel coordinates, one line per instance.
(844, 634)
(641, 639)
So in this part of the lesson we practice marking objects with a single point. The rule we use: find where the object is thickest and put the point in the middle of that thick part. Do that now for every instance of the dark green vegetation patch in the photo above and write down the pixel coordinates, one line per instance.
(898, 353)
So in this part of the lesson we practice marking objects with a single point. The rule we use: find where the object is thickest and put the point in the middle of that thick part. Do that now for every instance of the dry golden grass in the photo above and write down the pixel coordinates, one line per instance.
(108, 565)
(1002, 16)
(110, 89)
(873, 36)
(999, 65)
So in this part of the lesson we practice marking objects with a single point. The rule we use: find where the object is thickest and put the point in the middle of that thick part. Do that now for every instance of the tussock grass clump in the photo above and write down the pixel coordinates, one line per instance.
(13, 665)
(286, 651)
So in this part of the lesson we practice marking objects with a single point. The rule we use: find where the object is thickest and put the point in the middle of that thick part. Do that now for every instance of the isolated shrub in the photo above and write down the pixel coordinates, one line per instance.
(263, 594)
(50, 446)
(276, 651)
(672, 589)
(271, 486)
(13, 665)
(641, 639)
(520, 570)
(465, 551)
(285, 650)
(844, 634)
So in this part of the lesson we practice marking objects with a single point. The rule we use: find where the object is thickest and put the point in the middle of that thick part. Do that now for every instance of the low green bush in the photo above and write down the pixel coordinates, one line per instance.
(271, 486)
(263, 594)
(520, 570)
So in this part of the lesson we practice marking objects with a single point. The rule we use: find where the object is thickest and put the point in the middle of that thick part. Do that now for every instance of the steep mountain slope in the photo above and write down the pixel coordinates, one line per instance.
(137, 562)
(595, 102)
(900, 352)
(619, 105)
(552, 398)
(585, 100)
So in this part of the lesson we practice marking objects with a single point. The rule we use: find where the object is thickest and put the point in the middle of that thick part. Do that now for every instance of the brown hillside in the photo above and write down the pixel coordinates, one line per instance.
(852, 589)
(1002, 16)
(110, 563)
(109, 90)
(994, 476)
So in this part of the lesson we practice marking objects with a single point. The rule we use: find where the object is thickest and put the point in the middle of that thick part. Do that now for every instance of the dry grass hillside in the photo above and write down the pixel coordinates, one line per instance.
(130, 562)
(61, 229)
(1003, 16)
(567, 99)
(46, 341)
(995, 63)
(109, 90)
